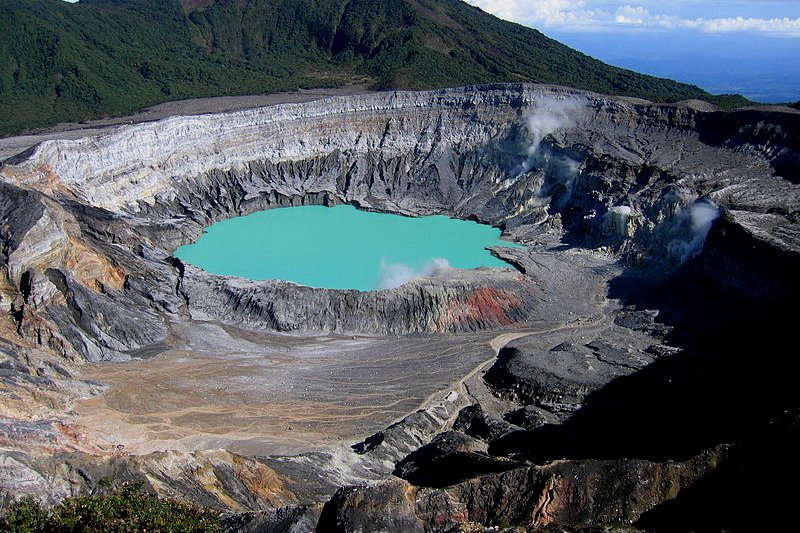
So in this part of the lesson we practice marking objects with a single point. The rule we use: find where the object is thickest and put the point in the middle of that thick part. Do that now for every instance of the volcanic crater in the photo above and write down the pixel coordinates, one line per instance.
(598, 381)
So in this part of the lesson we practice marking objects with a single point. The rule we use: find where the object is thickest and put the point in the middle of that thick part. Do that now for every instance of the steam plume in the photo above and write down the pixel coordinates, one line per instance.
(696, 221)
(393, 275)
(551, 115)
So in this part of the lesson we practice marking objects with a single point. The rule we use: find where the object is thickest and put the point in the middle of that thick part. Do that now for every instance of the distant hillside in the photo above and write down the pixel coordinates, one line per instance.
(69, 62)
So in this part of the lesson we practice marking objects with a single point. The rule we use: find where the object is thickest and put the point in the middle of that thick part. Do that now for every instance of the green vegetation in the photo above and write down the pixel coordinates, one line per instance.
(71, 62)
(127, 510)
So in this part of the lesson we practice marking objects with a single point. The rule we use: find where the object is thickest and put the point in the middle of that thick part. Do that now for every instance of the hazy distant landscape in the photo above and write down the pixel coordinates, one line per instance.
(767, 69)
(726, 47)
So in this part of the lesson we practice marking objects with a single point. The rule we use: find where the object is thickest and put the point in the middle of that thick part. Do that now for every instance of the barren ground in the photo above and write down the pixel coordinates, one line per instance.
(271, 394)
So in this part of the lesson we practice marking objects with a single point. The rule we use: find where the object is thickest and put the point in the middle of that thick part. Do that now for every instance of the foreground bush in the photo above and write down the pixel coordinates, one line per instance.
(127, 510)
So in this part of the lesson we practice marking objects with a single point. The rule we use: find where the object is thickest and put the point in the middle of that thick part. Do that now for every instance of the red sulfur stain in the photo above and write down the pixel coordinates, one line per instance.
(488, 305)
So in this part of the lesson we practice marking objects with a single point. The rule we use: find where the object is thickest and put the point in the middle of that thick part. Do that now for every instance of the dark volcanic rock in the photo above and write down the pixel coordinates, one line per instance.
(282, 520)
(640, 320)
(530, 417)
(448, 459)
(473, 421)
(560, 378)
(388, 507)
(101, 323)
(753, 255)
(404, 437)
(570, 494)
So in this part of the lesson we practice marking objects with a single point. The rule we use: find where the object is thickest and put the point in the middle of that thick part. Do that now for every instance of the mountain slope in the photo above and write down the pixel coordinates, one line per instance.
(61, 61)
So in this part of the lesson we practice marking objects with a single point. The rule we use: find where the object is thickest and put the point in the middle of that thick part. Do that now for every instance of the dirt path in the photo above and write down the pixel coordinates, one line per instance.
(497, 343)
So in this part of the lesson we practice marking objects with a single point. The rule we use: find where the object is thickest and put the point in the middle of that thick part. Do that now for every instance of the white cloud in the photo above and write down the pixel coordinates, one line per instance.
(551, 13)
(598, 14)
(640, 16)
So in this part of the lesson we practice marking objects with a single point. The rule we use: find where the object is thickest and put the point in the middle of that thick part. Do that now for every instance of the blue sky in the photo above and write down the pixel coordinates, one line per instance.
(713, 16)
(750, 47)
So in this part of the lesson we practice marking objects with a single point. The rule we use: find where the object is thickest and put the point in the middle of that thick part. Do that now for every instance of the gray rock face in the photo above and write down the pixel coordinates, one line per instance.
(451, 302)
(606, 171)
(89, 227)
(560, 378)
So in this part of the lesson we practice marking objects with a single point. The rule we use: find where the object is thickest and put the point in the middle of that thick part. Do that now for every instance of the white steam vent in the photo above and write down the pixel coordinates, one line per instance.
(693, 222)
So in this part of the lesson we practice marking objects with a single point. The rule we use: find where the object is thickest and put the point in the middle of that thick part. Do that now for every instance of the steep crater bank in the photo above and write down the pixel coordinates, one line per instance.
(604, 171)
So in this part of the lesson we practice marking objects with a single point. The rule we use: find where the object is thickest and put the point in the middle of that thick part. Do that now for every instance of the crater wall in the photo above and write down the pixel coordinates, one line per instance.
(605, 173)
(592, 185)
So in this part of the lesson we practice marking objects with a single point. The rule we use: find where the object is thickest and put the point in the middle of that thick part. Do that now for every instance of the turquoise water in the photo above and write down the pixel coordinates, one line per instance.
(340, 247)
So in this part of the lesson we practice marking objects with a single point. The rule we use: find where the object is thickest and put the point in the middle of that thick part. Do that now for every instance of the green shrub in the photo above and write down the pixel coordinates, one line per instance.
(127, 510)
(25, 516)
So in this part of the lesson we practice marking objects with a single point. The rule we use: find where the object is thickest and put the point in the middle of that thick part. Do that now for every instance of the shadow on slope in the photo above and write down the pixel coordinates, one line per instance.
(731, 373)
(731, 382)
